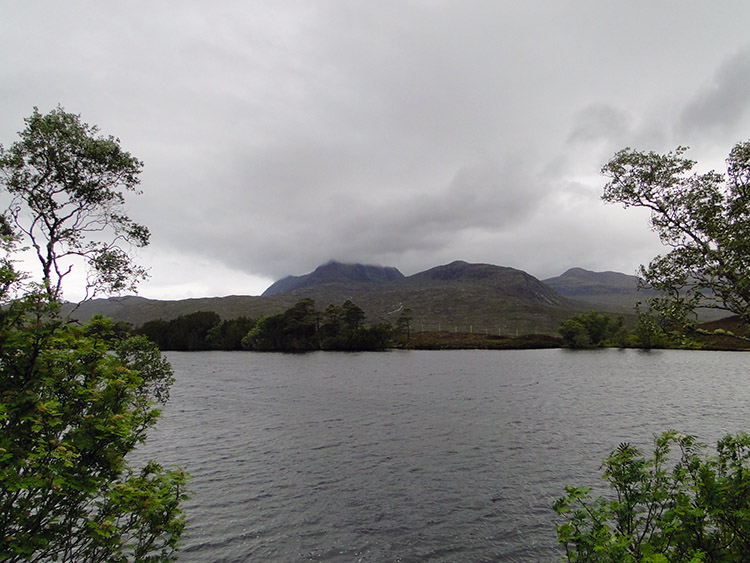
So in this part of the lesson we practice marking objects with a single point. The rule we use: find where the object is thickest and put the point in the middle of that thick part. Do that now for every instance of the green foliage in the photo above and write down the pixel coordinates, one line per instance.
(703, 218)
(185, 333)
(373, 337)
(228, 334)
(403, 323)
(664, 326)
(65, 183)
(76, 401)
(341, 328)
(294, 330)
(301, 328)
(592, 329)
(676, 506)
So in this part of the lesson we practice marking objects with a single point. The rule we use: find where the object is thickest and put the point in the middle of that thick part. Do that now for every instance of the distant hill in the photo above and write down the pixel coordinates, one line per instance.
(335, 272)
(612, 289)
(458, 296)
(502, 280)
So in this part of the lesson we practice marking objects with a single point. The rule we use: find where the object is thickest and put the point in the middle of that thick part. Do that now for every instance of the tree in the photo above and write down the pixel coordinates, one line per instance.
(354, 316)
(294, 330)
(228, 334)
(403, 323)
(184, 333)
(301, 328)
(590, 329)
(76, 400)
(342, 328)
(66, 185)
(683, 507)
(703, 218)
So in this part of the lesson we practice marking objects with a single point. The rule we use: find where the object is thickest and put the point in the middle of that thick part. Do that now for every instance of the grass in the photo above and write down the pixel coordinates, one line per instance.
(444, 340)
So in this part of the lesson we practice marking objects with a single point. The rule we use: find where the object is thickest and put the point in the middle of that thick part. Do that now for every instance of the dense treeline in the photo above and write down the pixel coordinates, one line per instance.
(185, 333)
(594, 329)
(652, 330)
(591, 330)
(300, 328)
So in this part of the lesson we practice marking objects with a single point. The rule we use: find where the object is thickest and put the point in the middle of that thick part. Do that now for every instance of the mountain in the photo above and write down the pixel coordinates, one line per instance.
(459, 296)
(334, 272)
(612, 289)
(501, 280)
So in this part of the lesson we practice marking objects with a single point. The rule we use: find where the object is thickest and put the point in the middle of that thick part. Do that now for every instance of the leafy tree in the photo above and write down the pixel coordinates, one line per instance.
(157, 331)
(66, 185)
(76, 400)
(403, 323)
(343, 328)
(294, 330)
(228, 334)
(574, 334)
(190, 332)
(266, 336)
(332, 321)
(301, 328)
(671, 507)
(373, 337)
(202, 330)
(703, 218)
(663, 327)
(354, 316)
(590, 329)
(71, 412)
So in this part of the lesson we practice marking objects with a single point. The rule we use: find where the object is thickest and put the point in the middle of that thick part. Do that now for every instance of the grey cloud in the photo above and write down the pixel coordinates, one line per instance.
(600, 122)
(306, 221)
(278, 135)
(721, 105)
(353, 226)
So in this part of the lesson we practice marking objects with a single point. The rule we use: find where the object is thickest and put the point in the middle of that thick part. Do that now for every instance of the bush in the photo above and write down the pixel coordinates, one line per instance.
(673, 507)
(591, 329)
(76, 401)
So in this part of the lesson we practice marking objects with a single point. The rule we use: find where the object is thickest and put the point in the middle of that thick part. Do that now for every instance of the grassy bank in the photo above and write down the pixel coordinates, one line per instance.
(433, 340)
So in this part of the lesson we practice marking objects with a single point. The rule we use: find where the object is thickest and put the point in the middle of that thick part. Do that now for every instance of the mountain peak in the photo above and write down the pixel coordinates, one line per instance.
(464, 270)
(335, 272)
(500, 280)
(581, 280)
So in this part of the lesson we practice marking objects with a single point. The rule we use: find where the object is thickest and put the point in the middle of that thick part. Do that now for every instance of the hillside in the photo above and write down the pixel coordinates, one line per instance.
(461, 297)
(613, 290)
(334, 272)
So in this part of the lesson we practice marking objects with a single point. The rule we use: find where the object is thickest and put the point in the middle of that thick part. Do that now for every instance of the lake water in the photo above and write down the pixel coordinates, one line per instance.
(418, 455)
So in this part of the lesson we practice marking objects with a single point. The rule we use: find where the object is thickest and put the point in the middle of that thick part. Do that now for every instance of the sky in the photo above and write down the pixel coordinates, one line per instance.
(278, 135)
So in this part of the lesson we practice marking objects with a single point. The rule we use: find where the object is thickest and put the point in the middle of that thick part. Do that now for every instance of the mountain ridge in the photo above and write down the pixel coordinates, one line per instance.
(334, 272)
(460, 296)
(613, 289)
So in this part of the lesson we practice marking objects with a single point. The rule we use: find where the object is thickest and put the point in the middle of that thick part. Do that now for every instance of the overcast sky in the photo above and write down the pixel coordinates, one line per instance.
(278, 135)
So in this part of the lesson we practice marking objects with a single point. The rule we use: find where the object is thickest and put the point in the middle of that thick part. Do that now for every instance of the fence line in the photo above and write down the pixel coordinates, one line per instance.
(474, 329)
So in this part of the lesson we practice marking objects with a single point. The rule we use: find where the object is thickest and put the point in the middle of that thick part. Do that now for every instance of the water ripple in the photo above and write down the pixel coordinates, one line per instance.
(416, 456)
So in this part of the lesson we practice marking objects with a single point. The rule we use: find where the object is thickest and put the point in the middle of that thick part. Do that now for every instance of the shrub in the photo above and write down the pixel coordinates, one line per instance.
(681, 506)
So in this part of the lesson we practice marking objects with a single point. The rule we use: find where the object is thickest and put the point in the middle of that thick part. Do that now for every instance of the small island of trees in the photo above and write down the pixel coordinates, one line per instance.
(301, 328)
